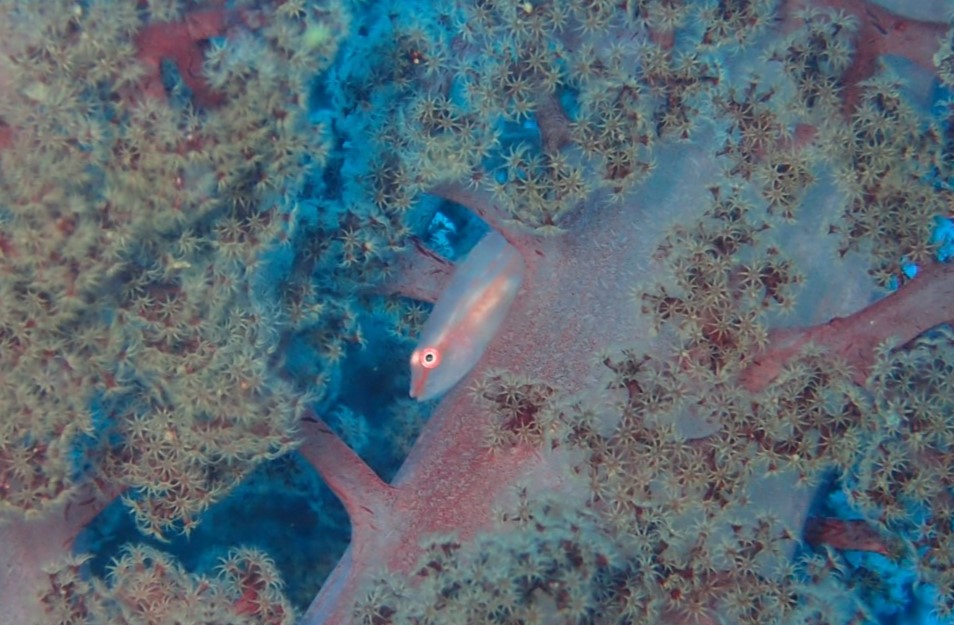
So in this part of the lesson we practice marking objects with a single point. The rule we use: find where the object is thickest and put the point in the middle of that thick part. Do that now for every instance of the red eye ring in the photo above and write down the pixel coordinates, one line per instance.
(430, 358)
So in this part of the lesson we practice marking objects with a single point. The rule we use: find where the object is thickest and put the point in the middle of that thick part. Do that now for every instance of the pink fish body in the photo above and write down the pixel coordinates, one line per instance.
(466, 317)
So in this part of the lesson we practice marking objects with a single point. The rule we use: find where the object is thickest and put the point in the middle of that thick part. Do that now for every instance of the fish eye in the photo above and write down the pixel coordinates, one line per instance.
(430, 358)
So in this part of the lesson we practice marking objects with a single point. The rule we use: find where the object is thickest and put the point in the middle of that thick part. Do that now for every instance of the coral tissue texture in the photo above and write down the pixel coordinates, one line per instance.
(723, 393)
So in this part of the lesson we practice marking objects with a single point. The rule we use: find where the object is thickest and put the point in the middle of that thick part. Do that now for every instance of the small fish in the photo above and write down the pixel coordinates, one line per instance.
(466, 316)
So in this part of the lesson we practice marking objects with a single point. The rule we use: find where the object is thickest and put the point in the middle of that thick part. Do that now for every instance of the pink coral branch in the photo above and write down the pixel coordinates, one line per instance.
(6, 136)
(27, 545)
(482, 204)
(182, 43)
(853, 535)
(880, 32)
(553, 123)
(919, 305)
(363, 494)
(419, 274)
(447, 485)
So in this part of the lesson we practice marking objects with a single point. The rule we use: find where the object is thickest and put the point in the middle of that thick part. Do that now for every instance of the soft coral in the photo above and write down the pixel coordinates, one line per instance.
(880, 33)
(183, 43)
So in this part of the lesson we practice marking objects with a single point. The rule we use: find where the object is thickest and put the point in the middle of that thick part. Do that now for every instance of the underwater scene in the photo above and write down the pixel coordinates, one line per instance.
(476, 312)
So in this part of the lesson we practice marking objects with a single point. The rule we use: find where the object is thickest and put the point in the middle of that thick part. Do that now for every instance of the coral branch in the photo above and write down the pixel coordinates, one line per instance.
(182, 43)
(554, 124)
(28, 545)
(852, 535)
(419, 274)
(880, 32)
(924, 303)
(361, 491)
(6, 136)
(482, 204)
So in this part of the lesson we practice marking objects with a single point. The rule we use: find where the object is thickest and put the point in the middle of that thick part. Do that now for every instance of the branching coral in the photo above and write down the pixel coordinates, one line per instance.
(684, 181)
(922, 304)
(674, 454)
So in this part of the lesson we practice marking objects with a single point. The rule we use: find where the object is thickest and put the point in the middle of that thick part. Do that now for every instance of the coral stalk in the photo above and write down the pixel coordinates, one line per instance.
(362, 492)
(28, 545)
(880, 32)
(925, 302)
